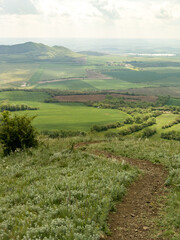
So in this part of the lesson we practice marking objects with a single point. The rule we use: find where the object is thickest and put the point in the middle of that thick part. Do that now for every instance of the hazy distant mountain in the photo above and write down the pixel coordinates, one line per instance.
(30, 51)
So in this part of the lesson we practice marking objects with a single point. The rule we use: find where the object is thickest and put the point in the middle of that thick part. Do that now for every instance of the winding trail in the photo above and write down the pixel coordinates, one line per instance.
(134, 216)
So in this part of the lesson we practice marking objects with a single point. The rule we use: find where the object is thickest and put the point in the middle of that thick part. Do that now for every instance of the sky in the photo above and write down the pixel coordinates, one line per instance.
(90, 19)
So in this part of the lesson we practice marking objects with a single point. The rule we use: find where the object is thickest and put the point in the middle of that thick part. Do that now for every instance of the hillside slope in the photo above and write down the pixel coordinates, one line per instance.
(30, 51)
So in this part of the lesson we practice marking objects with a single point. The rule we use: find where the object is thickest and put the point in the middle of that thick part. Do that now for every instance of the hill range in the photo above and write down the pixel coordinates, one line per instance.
(30, 51)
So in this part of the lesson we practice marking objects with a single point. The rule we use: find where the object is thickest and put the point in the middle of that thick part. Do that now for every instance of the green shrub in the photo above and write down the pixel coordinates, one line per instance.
(101, 128)
(62, 133)
(172, 135)
(16, 132)
(148, 132)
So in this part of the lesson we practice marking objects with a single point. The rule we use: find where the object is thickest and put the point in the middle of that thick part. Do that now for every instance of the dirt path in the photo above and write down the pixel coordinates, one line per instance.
(134, 216)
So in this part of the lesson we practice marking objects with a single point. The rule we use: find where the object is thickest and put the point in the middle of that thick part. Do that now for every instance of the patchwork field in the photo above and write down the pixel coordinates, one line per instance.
(74, 115)
(96, 73)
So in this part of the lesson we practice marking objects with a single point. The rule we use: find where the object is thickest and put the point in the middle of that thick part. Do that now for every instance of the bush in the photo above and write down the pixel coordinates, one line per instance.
(172, 135)
(148, 132)
(16, 132)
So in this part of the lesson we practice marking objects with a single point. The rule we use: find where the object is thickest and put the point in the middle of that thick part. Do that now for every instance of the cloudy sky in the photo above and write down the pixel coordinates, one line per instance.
(90, 18)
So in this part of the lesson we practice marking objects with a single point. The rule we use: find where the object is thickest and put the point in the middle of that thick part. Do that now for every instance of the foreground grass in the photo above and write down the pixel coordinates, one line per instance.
(166, 153)
(56, 193)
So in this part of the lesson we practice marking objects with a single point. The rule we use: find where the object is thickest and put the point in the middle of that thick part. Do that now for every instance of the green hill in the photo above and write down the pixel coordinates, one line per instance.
(30, 51)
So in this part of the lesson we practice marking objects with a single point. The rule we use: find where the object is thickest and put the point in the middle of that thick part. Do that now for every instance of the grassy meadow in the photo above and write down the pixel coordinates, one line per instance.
(54, 193)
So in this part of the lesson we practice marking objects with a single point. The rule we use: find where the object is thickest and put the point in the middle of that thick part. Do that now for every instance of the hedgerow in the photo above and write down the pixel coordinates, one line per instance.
(172, 135)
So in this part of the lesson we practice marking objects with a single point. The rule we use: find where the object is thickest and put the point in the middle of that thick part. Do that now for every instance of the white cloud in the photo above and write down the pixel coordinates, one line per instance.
(90, 18)
(106, 8)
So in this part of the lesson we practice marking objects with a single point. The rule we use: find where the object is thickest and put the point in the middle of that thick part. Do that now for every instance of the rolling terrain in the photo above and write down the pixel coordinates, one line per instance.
(34, 65)
(107, 162)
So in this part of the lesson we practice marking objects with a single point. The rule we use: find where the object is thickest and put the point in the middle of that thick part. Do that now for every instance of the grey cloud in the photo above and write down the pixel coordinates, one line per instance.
(164, 14)
(19, 7)
(101, 6)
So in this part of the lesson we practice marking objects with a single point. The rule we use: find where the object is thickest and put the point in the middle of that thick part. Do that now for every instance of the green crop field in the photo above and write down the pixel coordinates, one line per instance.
(91, 84)
(14, 74)
(68, 85)
(62, 116)
(56, 71)
(153, 72)
(23, 96)
(112, 84)
(71, 116)
(147, 77)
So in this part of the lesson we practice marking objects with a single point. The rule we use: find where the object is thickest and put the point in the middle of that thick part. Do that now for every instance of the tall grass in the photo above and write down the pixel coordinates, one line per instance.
(57, 193)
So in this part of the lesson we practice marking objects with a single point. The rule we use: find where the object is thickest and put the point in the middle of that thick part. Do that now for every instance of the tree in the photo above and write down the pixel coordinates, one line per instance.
(16, 132)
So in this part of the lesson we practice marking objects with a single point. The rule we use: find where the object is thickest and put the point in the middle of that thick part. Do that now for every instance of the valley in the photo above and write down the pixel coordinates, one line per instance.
(107, 162)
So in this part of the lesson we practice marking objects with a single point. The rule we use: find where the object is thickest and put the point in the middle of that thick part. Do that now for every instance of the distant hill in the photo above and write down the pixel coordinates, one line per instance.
(92, 53)
(30, 51)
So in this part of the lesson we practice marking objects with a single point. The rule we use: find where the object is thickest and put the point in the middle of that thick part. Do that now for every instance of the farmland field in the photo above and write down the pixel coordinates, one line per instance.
(68, 85)
(147, 77)
(71, 116)
(23, 96)
(126, 73)
(15, 74)
(52, 116)
(76, 116)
